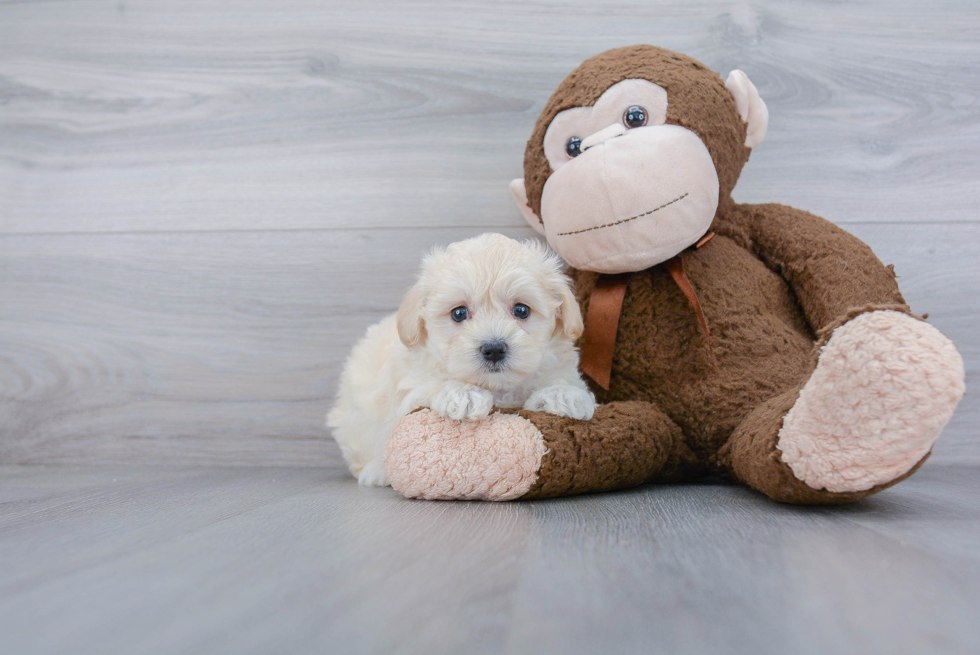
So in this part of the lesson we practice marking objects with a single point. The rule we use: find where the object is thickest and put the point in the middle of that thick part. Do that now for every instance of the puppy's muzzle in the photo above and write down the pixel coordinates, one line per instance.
(494, 351)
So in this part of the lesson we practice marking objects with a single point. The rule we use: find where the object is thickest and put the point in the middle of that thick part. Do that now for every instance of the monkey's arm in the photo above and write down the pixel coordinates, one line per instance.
(533, 454)
(834, 274)
(884, 385)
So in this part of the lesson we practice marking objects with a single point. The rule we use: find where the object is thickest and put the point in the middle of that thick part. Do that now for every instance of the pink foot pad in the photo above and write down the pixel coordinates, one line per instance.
(884, 387)
(435, 458)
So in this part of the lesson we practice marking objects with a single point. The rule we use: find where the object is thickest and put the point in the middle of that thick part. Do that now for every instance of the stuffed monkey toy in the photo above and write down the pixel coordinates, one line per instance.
(759, 343)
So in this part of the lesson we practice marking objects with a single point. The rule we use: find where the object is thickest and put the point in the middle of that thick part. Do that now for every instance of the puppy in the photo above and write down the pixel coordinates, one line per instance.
(490, 322)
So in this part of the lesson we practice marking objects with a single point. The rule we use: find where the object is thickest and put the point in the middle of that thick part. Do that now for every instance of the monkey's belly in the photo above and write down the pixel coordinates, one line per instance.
(758, 333)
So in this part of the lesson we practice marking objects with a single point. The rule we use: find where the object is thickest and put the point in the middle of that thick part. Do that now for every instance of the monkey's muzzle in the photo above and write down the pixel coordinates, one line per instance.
(631, 200)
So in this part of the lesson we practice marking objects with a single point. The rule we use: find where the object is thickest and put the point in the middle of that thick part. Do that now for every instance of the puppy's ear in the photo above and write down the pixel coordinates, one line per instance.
(411, 326)
(569, 316)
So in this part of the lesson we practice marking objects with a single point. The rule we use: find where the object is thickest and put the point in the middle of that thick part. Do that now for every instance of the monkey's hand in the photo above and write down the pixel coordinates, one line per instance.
(458, 400)
(563, 400)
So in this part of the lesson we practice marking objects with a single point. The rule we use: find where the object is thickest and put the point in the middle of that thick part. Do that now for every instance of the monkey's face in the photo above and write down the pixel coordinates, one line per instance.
(625, 175)
(628, 191)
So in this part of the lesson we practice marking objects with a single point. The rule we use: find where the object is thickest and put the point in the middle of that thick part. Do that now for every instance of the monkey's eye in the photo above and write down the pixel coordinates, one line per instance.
(635, 116)
(521, 311)
(460, 314)
(574, 147)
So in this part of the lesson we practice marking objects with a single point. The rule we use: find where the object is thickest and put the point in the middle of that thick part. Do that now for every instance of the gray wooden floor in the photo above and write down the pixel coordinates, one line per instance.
(203, 205)
(128, 559)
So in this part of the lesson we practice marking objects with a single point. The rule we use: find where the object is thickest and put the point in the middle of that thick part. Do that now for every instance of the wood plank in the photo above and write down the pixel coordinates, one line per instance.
(201, 209)
(188, 347)
(39, 522)
(226, 347)
(256, 560)
(159, 116)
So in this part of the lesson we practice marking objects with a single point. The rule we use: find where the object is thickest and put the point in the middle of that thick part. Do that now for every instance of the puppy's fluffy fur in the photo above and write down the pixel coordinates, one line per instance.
(422, 357)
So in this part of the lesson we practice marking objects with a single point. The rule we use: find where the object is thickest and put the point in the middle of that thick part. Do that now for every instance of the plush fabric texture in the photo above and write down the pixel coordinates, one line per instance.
(762, 336)
(601, 215)
(750, 107)
(697, 100)
(826, 388)
(578, 458)
(496, 458)
(750, 456)
(911, 378)
(766, 295)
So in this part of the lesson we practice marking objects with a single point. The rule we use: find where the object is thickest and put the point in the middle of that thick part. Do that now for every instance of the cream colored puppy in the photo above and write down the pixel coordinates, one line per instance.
(490, 322)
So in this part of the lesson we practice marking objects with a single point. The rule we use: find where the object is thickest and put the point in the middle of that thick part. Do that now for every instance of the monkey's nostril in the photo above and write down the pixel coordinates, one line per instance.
(493, 351)
(603, 135)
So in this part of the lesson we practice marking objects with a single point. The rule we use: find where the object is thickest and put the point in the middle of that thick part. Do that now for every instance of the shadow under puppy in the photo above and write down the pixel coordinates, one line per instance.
(490, 322)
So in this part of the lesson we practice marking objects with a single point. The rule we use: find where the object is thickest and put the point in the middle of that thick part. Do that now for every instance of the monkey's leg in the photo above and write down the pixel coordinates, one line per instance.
(532, 454)
(884, 386)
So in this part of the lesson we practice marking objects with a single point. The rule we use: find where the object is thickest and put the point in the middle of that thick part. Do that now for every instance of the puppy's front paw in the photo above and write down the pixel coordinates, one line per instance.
(459, 401)
(563, 400)
(373, 474)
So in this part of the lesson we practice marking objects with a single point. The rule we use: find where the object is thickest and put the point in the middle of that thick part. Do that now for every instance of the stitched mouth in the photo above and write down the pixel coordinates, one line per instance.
(625, 220)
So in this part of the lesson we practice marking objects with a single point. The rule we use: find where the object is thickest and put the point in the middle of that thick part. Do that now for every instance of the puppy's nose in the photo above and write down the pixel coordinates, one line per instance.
(494, 351)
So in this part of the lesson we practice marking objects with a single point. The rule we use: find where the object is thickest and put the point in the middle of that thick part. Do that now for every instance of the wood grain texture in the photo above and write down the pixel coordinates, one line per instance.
(201, 208)
(225, 347)
(258, 560)
(217, 347)
(133, 116)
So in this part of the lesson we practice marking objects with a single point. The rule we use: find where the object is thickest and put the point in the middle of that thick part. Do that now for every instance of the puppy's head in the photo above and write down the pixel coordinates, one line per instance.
(490, 309)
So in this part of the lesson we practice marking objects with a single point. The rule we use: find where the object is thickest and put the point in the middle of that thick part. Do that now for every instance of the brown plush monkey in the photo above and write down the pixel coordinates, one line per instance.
(756, 342)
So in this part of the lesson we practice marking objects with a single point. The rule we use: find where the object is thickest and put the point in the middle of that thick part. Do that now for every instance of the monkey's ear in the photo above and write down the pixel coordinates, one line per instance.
(520, 199)
(569, 314)
(411, 326)
(751, 107)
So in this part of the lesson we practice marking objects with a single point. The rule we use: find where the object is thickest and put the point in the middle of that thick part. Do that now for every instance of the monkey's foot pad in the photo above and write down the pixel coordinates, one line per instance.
(884, 387)
(494, 458)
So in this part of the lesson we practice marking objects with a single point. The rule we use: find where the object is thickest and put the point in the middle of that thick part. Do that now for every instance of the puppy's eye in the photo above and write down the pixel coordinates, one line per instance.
(521, 311)
(635, 116)
(460, 314)
(573, 148)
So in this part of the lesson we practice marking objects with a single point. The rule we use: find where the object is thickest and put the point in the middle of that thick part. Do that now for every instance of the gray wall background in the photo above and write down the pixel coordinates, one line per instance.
(204, 204)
